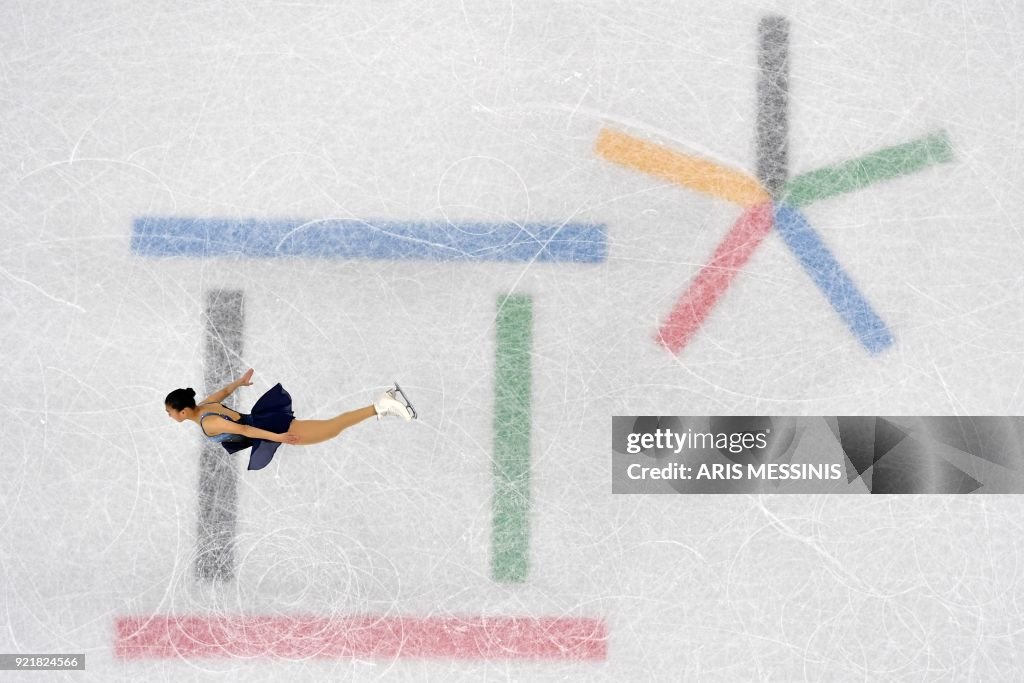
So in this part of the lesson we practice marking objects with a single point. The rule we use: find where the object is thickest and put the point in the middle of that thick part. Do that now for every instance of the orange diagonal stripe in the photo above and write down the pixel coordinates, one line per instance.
(689, 171)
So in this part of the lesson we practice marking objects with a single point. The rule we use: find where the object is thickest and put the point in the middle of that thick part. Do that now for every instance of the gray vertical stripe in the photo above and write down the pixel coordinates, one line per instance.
(218, 475)
(772, 101)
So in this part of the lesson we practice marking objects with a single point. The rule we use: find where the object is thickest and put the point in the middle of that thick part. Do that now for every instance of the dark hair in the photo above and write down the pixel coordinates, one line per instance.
(179, 399)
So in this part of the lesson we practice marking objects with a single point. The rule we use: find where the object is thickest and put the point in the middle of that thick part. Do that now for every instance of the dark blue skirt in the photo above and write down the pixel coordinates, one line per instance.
(272, 412)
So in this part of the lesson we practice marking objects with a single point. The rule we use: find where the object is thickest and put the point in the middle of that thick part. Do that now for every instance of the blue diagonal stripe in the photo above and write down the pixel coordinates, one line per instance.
(358, 239)
(835, 284)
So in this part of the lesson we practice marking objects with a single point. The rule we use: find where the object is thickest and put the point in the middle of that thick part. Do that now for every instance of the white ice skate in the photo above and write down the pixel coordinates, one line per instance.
(390, 404)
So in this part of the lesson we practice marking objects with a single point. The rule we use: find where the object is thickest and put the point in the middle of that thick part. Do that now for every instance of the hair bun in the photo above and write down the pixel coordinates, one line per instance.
(190, 391)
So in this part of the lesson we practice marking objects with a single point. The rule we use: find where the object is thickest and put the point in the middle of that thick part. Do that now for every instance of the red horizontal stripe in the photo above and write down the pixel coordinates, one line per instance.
(179, 637)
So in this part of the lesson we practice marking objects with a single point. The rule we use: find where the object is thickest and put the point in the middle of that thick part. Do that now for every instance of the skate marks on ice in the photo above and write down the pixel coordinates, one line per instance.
(773, 200)
(764, 199)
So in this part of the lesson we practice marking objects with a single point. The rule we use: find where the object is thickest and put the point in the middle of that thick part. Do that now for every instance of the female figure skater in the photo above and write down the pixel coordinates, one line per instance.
(272, 421)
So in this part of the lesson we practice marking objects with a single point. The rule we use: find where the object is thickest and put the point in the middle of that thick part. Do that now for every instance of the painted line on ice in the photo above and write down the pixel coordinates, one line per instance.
(830, 278)
(854, 174)
(688, 171)
(169, 236)
(510, 530)
(218, 477)
(772, 104)
(715, 277)
(382, 637)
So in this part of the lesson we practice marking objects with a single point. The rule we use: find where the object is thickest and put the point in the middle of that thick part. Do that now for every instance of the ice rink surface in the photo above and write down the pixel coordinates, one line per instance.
(466, 116)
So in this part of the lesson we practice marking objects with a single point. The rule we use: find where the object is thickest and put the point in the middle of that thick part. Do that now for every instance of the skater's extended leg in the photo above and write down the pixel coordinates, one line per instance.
(315, 431)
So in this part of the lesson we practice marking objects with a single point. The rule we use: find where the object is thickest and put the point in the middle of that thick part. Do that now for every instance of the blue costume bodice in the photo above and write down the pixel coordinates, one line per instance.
(225, 437)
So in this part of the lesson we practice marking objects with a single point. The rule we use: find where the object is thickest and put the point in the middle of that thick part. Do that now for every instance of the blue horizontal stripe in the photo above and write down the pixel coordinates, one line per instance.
(356, 239)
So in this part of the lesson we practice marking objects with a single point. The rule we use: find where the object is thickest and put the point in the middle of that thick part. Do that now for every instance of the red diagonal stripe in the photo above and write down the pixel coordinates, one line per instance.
(715, 277)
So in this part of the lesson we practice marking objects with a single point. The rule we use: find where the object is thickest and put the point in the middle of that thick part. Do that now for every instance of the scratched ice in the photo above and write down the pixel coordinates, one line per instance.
(533, 216)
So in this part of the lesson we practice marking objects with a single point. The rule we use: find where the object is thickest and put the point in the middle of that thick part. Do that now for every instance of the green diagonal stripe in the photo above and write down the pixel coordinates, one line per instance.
(510, 558)
(870, 168)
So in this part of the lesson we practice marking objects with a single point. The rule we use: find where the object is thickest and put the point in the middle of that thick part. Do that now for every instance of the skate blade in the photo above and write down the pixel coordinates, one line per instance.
(406, 401)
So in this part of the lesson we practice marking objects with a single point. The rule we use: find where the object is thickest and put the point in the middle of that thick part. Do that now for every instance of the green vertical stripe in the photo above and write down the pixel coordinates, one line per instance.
(510, 558)
(870, 168)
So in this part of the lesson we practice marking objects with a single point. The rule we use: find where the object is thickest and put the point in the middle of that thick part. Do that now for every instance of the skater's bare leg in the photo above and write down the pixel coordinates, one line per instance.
(315, 431)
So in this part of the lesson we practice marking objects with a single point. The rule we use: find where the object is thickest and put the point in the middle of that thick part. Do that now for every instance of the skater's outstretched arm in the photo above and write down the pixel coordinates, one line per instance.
(215, 425)
(218, 396)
